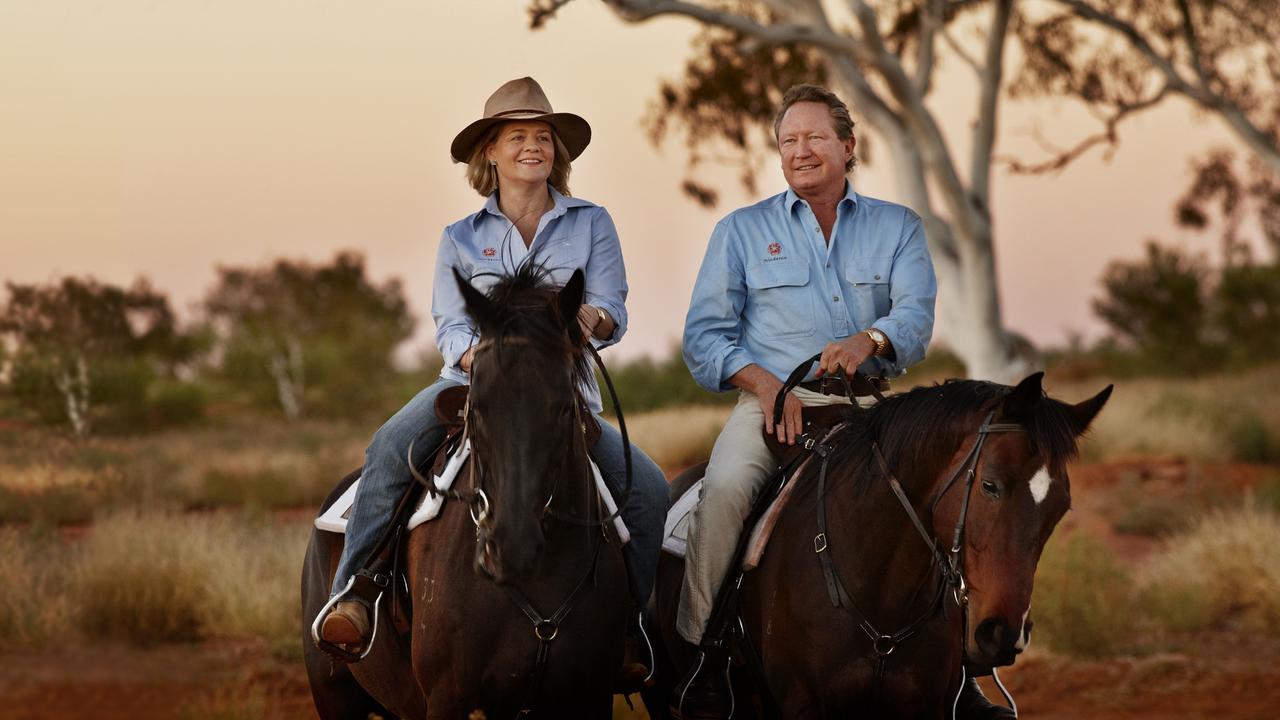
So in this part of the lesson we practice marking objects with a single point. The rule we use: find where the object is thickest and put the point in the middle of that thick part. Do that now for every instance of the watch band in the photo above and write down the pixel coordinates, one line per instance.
(881, 342)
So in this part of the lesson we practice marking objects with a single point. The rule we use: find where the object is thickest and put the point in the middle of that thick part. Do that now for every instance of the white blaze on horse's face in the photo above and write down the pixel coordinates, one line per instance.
(1024, 637)
(1040, 485)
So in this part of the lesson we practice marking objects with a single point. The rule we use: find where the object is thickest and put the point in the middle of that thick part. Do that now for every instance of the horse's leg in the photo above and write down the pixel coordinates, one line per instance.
(334, 689)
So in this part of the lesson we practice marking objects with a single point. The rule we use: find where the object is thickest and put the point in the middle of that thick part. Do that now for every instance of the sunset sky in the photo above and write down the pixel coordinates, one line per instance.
(162, 138)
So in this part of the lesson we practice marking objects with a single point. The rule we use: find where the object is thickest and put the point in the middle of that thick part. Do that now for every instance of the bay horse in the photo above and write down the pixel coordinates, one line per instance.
(871, 601)
(518, 599)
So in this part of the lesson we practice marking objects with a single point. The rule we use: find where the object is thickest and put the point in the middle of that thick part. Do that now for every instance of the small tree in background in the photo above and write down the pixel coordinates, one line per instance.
(1158, 307)
(302, 333)
(76, 344)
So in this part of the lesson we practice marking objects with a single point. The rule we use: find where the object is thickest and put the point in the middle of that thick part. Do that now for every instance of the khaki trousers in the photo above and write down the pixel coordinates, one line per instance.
(740, 464)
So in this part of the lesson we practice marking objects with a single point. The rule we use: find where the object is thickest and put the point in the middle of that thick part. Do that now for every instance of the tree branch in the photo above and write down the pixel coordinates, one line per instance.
(1193, 44)
(1107, 136)
(781, 34)
(984, 130)
(929, 22)
(1258, 140)
(961, 52)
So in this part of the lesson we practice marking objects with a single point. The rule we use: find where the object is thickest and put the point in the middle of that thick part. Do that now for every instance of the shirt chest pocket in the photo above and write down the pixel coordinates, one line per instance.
(564, 255)
(779, 301)
(868, 278)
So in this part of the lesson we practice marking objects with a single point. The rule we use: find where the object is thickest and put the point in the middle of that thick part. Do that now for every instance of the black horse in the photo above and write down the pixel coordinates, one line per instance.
(518, 597)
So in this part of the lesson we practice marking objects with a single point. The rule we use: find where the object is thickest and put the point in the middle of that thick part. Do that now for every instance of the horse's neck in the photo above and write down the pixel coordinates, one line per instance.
(882, 557)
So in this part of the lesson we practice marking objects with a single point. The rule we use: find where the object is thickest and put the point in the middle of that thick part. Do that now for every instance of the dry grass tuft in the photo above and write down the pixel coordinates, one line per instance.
(1224, 572)
(1215, 418)
(34, 606)
(148, 579)
(678, 437)
(1083, 603)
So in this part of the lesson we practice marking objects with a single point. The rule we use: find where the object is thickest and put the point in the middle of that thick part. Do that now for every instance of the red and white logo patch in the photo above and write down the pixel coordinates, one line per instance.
(490, 252)
(775, 248)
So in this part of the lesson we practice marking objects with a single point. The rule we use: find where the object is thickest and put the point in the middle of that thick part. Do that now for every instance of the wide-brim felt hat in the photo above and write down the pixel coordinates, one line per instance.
(522, 99)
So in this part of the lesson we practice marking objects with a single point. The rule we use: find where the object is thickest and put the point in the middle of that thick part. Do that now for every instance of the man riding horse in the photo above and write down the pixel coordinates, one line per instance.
(818, 267)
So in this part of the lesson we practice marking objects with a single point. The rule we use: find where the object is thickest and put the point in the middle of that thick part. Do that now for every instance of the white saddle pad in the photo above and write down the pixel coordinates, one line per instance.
(675, 533)
(334, 519)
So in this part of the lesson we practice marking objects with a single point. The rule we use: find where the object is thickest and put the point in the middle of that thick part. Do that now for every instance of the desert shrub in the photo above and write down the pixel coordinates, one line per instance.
(147, 579)
(137, 579)
(33, 605)
(176, 403)
(1224, 571)
(1082, 604)
(1251, 441)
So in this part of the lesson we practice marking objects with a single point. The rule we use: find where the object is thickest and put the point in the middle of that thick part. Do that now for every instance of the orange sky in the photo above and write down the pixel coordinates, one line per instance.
(162, 138)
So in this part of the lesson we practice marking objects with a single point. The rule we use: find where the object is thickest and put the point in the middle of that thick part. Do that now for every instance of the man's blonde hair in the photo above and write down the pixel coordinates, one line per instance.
(483, 175)
(816, 93)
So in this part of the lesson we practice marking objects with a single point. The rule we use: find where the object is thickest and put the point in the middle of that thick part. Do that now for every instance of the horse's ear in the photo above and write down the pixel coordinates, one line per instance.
(479, 307)
(1020, 404)
(569, 299)
(1086, 411)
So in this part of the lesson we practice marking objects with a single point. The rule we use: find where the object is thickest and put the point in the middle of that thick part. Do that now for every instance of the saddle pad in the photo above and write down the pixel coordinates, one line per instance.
(334, 519)
(675, 535)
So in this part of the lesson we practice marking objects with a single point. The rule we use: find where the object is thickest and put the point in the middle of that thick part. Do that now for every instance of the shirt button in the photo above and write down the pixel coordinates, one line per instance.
(817, 229)
(828, 264)
(877, 277)
(835, 298)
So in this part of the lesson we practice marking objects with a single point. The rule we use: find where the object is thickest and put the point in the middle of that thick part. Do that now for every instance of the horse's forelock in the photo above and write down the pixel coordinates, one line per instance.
(525, 305)
(1052, 431)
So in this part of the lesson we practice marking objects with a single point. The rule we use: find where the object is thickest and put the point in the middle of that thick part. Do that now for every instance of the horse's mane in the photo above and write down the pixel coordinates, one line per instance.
(525, 305)
(944, 414)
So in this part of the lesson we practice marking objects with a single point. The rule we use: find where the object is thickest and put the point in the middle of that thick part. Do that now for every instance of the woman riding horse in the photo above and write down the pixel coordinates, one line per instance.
(518, 157)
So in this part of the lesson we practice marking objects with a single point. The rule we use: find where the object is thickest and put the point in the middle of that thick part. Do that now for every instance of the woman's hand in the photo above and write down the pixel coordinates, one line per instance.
(464, 362)
(594, 322)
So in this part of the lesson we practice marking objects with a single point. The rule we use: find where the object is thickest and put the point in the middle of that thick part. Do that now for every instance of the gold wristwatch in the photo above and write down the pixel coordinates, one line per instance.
(880, 339)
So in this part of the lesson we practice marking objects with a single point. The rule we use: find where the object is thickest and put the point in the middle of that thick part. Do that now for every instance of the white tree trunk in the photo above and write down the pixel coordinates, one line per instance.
(74, 387)
(286, 369)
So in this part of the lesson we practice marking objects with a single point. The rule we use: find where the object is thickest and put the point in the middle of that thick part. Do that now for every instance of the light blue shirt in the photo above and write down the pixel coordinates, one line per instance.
(773, 293)
(573, 235)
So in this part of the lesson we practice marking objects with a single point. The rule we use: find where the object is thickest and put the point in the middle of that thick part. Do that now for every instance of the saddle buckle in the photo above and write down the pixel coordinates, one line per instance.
(884, 645)
(819, 543)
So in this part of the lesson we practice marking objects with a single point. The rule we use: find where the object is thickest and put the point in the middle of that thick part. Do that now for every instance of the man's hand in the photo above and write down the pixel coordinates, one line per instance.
(761, 383)
(847, 354)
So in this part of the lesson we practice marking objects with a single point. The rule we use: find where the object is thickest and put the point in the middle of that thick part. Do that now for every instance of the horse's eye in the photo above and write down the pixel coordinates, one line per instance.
(991, 489)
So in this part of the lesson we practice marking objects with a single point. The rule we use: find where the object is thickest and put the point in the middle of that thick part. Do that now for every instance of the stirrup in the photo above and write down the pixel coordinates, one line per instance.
(337, 651)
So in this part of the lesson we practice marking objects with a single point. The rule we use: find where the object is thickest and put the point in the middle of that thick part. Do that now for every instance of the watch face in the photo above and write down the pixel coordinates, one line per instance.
(877, 335)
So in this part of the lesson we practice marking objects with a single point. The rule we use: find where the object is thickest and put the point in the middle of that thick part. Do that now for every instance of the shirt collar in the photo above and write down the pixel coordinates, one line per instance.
(562, 203)
(790, 198)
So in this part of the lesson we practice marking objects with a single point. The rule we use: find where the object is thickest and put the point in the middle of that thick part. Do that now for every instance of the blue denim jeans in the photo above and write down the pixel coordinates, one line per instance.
(386, 476)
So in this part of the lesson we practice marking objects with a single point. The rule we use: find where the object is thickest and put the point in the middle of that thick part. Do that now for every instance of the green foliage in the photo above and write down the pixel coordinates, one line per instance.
(80, 350)
(648, 384)
(309, 337)
(1158, 306)
(1251, 441)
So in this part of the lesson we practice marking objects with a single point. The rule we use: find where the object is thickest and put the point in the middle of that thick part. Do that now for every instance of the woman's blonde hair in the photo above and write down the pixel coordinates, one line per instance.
(483, 176)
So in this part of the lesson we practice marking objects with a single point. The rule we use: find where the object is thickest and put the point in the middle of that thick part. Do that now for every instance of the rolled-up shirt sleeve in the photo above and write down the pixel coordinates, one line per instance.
(713, 325)
(454, 331)
(606, 277)
(913, 289)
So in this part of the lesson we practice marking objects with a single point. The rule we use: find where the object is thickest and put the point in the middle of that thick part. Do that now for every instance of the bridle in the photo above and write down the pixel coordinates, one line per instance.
(547, 628)
(950, 563)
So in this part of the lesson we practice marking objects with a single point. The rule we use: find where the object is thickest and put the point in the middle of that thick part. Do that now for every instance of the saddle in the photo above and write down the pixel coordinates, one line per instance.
(816, 421)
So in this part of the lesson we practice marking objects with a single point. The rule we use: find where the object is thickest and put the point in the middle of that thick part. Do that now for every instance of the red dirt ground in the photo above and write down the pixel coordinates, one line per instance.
(1226, 677)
